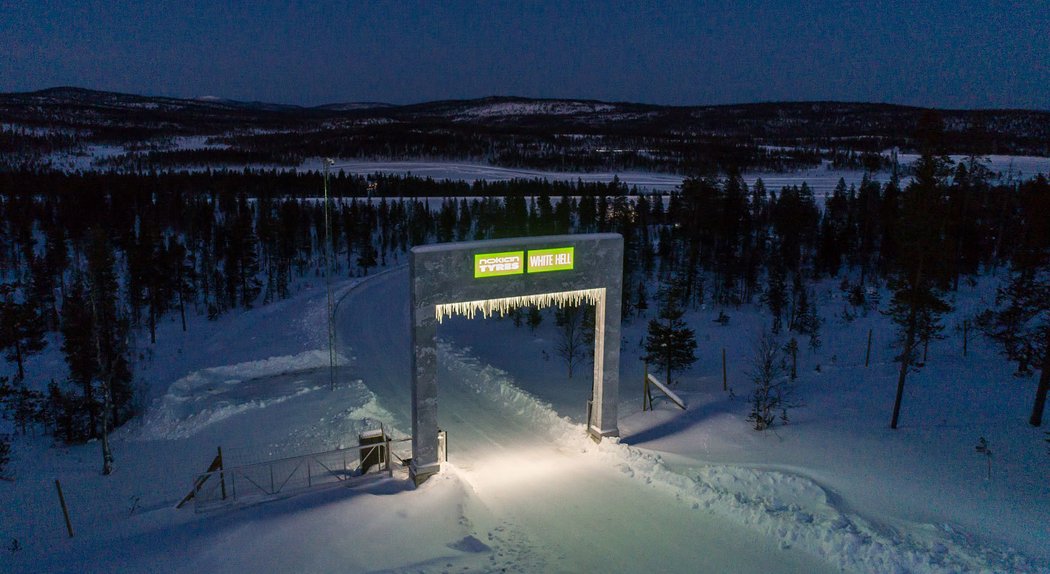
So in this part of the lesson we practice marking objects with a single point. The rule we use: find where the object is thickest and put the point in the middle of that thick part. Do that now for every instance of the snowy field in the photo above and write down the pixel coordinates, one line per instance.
(524, 490)
(821, 180)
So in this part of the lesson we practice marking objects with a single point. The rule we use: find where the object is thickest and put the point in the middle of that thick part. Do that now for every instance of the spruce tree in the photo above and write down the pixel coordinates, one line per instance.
(41, 293)
(917, 301)
(21, 330)
(670, 344)
(534, 319)
(1021, 323)
(5, 453)
(367, 258)
(79, 352)
(775, 296)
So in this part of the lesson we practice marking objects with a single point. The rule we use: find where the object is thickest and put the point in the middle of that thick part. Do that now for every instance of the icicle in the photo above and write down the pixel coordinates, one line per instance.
(488, 307)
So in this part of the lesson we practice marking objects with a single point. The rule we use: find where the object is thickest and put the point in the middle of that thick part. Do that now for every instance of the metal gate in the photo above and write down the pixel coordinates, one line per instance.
(282, 477)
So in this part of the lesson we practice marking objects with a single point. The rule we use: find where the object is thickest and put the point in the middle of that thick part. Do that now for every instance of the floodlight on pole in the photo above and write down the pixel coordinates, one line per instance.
(328, 277)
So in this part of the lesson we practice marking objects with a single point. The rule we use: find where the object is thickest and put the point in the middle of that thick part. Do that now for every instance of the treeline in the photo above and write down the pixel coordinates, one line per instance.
(94, 259)
(580, 153)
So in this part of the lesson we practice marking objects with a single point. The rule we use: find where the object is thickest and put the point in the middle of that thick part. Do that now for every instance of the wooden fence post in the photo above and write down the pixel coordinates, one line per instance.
(65, 511)
(867, 356)
(222, 475)
(725, 385)
(386, 451)
(645, 388)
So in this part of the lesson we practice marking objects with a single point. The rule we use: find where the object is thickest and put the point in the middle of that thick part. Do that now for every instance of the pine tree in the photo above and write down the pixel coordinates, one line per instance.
(41, 293)
(535, 318)
(641, 303)
(813, 323)
(20, 404)
(791, 348)
(775, 296)
(5, 453)
(1021, 323)
(182, 273)
(244, 261)
(21, 330)
(367, 258)
(670, 344)
(79, 352)
(917, 301)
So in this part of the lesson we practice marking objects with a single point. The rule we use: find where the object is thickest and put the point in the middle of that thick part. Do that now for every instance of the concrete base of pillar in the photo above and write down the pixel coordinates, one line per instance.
(598, 434)
(420, 475)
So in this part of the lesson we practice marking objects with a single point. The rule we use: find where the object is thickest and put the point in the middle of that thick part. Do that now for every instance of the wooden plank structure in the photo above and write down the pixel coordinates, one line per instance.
(647, 392)
(216, 464)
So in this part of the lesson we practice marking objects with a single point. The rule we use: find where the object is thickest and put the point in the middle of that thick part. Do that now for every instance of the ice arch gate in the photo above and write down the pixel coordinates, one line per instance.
(486, 277)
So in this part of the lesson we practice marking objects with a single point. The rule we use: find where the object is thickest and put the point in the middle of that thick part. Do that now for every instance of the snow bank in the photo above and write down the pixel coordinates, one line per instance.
(210, 395)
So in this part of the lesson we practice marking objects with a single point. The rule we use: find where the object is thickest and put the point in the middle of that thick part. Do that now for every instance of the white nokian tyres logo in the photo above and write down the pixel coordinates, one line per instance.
(496, 264)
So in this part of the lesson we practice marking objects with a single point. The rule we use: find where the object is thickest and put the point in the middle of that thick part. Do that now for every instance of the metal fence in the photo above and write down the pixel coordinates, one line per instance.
(280, 477)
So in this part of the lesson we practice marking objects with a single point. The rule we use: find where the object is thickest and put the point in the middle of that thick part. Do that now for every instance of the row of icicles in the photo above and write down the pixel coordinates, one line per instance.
(502, 305)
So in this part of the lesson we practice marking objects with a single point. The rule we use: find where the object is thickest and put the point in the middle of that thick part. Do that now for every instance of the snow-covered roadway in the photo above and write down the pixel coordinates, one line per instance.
(554, 499)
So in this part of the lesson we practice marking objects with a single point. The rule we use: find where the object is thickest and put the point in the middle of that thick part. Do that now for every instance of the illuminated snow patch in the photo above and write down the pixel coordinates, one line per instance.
(502, 305)
(210, 395)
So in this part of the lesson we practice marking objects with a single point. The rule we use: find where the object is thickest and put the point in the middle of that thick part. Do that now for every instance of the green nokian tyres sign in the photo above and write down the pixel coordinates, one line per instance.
(496, 264)
(514, 262)
(557, 259)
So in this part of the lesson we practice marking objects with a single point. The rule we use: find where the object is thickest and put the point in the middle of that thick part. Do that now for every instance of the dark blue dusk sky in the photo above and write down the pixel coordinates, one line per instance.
(936, 53)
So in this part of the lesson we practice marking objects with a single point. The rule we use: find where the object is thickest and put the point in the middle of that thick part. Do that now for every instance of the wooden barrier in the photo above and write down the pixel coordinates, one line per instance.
(216, 464)
(647, 393)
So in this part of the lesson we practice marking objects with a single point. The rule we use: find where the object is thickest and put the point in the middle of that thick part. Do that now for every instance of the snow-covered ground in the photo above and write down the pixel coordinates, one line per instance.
(1017, 167)
(470, 172)
(524, 490)
(924, 483)
(821, 180)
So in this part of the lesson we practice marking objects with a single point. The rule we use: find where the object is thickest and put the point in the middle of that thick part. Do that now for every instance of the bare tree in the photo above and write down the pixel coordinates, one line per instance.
(572, 336)
(772, 395)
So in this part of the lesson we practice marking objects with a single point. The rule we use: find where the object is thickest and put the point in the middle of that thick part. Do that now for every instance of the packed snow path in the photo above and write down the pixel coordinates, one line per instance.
(559, 504)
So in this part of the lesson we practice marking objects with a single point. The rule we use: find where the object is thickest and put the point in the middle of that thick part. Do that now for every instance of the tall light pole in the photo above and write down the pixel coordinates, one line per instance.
(328, 277)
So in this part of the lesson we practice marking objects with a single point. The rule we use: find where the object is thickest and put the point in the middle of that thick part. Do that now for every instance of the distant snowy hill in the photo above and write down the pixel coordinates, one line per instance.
(57, 128)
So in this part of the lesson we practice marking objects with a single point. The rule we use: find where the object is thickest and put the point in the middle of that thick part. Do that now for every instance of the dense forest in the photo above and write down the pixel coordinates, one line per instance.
(99, 257)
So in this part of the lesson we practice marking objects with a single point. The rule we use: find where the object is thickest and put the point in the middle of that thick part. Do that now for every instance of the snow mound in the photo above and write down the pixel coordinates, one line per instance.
(792, 508)
(798, 512)
(210, 395)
